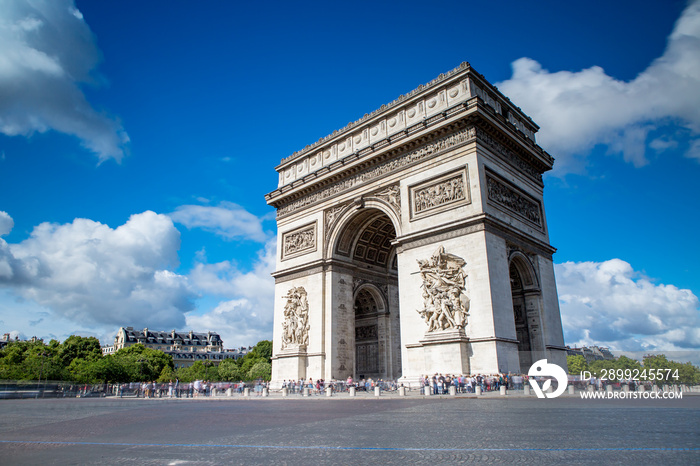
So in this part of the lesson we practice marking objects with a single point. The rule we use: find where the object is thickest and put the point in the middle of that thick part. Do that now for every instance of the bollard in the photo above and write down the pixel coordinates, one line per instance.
(526, 390)
(640, 388)
(352, 391)
(229, 392)
(590, 388)
(285, 391)
(265, 391)
(214, 392)
(571, 389)
(402, 391)
(503, 390)
(625, 388)
(377, 391)
(307, 392)
(246, 391)
(478, 390)
(608, 388)
(329, 391)
(453, 390)
(427, 391)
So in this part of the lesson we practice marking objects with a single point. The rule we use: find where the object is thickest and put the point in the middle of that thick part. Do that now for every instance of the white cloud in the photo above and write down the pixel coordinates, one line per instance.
(578, 110)
(608, 303)
(6, 223)
(227, 220)
(47, 51)
(101, 278)
(245, 317)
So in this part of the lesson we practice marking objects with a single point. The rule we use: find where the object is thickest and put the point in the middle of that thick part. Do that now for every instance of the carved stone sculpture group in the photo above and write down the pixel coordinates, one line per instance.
(446, 305)
(295, 328)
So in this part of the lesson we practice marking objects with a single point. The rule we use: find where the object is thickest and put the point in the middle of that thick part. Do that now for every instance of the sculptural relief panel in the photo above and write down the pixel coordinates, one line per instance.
(439, 194)
(445, 300)
(299, 241)
(515, 201)
(295, 328)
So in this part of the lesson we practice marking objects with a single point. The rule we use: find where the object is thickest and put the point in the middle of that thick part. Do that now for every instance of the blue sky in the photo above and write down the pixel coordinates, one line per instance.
(137, 140)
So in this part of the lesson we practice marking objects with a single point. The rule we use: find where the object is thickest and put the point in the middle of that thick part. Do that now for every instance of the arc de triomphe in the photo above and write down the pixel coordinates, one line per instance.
(414, 241)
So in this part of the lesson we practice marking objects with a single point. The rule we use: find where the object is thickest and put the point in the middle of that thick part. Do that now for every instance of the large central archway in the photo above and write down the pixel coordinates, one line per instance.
(365, 245)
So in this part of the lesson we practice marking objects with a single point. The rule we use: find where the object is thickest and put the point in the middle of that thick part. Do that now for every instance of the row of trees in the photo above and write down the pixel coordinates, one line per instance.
(674, 372)
(80, 359)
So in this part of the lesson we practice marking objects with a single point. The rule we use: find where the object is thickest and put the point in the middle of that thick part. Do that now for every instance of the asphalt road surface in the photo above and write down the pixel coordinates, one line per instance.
(340, 430)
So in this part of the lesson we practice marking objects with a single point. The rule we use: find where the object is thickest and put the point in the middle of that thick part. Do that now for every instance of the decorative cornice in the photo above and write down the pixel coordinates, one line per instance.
(368, 116)
(408, 158)
(442, 98)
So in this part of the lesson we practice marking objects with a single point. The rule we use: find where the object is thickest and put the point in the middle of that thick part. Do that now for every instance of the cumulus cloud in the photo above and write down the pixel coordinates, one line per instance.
(608, 303)
(6, 223)
(227, 220)
(578, 110)
(245, 316)
(95, 276)
(47, 52)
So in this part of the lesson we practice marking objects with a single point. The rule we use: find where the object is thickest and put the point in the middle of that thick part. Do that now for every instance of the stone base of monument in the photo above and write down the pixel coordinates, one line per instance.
(290, 364)
(441, 351)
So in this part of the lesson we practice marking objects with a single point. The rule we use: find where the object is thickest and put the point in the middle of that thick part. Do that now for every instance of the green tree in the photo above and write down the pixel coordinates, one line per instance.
(596, 367)
(198, 371)
(75, 347)
(144, 364)
(263, 350)
(623, 362)
(167, 374)
(576, 364)
(261, 370)
(229, 371)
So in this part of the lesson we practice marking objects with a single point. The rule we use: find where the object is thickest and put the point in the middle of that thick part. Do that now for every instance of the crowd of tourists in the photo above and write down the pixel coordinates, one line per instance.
(320, 386)
(440, 384)
(198, 388)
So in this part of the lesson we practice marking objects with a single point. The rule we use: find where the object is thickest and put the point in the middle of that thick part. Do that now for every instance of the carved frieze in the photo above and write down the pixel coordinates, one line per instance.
(392, 195)
(445, 302)
(299, 241)
(417, 155)
(295, 328)
(509, 155)
(513, 200)
(330, 217)
(440, 194)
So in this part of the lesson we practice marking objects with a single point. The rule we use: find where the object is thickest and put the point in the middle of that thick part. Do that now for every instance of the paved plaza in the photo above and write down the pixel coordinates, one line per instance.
(343, 430)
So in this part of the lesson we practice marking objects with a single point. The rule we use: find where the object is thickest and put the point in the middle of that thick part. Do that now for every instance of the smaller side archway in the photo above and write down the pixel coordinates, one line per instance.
(527, 298)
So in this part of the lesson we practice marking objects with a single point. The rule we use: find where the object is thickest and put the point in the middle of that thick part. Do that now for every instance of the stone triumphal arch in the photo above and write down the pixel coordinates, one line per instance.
(414, 241)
